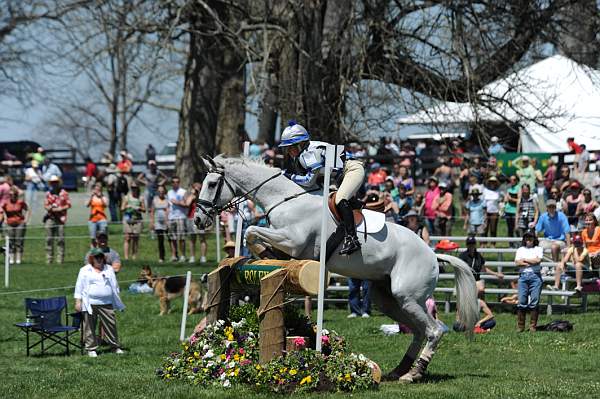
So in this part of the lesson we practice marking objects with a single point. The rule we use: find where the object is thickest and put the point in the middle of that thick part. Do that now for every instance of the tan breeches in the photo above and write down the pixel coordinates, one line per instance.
(354, 175)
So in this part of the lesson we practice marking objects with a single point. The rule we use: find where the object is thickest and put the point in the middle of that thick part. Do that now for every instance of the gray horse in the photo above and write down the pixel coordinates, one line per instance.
(402, 268)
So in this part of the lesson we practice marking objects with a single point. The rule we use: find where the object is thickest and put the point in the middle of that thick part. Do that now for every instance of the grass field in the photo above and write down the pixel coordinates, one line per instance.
(501, 364)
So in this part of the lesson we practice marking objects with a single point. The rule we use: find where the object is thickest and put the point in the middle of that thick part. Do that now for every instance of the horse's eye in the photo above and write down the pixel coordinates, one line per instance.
(212, 184)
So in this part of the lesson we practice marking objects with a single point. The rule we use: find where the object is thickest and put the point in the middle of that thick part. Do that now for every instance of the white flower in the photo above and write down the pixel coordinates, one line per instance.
(210, 364)
(205, 347)
(324, 332)
(219, 323)
(226, 383)
(238, 324)
(231, 364)
(223, 376)
(362, 357)
(208, 354)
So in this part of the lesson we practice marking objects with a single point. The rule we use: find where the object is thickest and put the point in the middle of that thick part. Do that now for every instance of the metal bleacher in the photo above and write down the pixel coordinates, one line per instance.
(553, 298)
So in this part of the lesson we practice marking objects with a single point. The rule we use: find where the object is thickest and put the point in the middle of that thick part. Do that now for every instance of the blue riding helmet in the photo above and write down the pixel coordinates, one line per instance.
(293, 134)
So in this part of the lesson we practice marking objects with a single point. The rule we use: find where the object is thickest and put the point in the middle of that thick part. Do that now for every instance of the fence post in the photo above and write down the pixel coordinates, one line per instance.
(240, 219)
(329, 160)
(6, 260)
(218, 237)
(186, 293)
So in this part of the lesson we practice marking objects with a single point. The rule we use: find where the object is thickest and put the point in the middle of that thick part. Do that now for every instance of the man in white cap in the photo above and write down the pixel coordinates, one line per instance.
(306, 167)
(57, 203)
(50, 169)
(495, 147)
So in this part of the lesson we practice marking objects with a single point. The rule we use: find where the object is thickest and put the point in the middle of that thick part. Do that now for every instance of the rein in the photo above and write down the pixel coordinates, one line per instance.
(214, 209)
(286, 199)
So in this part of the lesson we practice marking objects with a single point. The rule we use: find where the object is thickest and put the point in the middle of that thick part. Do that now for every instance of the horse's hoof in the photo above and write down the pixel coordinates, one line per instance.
(410, 377)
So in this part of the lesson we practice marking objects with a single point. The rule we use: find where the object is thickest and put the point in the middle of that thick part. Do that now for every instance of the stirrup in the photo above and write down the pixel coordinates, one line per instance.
(351, 244)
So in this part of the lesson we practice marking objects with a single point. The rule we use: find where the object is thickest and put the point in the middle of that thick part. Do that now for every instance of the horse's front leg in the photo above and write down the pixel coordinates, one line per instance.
(261, 239)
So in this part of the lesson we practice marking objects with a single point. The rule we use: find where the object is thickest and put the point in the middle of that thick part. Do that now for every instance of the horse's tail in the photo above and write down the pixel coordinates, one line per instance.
(466, 292)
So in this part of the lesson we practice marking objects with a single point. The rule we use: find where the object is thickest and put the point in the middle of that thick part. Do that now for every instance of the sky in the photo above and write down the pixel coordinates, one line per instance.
(26, 122)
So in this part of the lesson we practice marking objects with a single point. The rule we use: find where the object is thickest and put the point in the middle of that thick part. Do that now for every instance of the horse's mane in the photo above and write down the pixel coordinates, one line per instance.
(226, 160)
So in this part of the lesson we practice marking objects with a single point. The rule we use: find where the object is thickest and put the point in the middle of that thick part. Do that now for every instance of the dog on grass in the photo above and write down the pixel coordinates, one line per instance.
(167, 288)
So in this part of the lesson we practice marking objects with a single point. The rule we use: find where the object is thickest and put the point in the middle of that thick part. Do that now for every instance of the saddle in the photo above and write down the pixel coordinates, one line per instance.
(358, 215)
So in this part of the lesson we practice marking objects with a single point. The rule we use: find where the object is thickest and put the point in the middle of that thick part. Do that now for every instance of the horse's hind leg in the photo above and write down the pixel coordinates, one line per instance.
(431, 329)
(387, 304)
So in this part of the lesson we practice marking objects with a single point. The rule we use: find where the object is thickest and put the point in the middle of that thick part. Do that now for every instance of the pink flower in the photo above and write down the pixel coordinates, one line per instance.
(193, 339)
(325, 339)
(299, 342)
(241, 351)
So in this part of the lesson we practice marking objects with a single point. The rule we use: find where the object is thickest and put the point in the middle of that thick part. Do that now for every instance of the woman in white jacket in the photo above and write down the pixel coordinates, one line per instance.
(97, 296)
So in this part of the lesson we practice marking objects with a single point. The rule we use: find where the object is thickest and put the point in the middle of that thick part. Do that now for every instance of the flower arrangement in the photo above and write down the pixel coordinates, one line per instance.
(226, 353)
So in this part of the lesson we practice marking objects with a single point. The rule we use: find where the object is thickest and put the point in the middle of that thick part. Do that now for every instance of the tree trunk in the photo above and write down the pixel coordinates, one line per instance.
(198, 116)
(231, 115)
(267, 120)
(312, 84)
(213, 94)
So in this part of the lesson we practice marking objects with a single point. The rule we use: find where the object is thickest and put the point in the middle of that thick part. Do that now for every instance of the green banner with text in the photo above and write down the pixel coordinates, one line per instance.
(506, 161)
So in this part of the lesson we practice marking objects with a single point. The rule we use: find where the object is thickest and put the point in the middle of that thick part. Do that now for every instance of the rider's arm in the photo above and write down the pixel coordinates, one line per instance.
(307, 180)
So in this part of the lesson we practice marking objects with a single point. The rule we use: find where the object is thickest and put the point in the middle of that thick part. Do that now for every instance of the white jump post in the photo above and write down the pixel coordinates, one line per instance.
(238, 231)
(6, 260)
(218, 236)
(186, 293)
(329, 162)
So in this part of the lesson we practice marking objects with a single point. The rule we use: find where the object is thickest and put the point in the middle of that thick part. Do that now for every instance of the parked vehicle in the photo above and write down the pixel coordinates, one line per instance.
(166, 157)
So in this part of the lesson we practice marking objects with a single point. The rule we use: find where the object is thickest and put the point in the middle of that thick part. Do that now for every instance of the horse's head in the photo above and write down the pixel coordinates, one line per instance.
(215, 194)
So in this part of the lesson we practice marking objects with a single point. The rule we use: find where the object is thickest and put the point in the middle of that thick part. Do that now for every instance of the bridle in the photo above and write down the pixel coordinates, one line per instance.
(213, 208)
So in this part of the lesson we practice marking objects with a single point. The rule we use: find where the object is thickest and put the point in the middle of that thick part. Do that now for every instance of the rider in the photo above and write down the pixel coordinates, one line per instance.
(308, 159)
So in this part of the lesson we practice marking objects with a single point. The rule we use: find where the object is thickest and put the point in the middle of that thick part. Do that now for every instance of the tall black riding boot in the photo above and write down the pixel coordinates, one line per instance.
(351, 242)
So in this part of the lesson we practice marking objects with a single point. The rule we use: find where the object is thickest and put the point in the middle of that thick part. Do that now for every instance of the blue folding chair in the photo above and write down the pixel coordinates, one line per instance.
(44, 318)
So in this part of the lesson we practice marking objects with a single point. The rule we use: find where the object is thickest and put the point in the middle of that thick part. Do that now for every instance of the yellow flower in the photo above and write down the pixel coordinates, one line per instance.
(229, 337)
(223, 357)
(196, 354)
(168, 376)
(348, 377)
(236, 372)
(236, 357)
(293, 372)
(283, 370)
(306, 380)
(258, 367)
(205, 370)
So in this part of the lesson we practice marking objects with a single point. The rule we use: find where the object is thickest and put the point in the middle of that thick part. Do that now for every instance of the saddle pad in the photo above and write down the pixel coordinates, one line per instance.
(372, 221)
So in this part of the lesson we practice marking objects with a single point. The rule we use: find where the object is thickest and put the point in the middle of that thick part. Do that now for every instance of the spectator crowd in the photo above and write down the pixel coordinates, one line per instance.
(461, 190)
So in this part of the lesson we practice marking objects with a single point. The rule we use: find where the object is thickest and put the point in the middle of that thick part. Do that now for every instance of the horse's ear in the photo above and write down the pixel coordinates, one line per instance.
(208, 162)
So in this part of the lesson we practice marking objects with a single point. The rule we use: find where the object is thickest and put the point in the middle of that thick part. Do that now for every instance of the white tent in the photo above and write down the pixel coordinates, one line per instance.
(553, 99)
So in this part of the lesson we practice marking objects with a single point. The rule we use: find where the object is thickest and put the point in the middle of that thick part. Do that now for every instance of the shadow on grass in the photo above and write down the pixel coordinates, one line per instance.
(448, 377)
